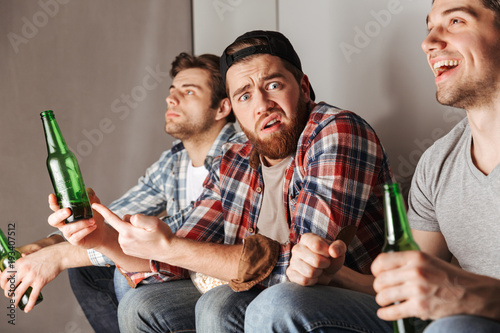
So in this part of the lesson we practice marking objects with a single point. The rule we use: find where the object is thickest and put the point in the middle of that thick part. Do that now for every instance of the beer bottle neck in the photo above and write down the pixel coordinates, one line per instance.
(53, 136)
(397, 227)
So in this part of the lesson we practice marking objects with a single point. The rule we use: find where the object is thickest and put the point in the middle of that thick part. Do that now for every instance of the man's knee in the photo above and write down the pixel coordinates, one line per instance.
(463, 324)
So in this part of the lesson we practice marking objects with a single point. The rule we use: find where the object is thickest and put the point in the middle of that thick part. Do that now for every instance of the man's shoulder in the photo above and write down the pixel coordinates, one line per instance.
(453, 141)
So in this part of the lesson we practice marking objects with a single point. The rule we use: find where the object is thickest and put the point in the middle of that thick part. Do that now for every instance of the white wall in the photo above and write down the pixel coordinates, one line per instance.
(361, 55)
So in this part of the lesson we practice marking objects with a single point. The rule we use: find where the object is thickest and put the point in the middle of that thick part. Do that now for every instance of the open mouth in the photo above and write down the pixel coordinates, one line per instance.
(272, 123)
(443, 66)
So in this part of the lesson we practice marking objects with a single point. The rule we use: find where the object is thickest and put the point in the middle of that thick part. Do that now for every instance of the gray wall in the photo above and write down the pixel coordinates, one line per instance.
(102, 66)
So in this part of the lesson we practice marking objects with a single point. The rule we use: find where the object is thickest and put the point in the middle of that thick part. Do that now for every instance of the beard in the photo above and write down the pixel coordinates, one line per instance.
(283, 143)
(189, 128)
(468, 95)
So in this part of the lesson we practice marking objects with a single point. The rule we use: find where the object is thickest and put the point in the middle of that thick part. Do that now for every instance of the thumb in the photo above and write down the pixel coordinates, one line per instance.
(148, 223)
(337, 249)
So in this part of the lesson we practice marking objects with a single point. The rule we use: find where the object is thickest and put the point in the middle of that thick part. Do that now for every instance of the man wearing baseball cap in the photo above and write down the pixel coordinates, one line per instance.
(300, 201)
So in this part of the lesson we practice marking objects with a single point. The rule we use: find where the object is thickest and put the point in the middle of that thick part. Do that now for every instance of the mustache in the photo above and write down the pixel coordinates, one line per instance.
(266, 114)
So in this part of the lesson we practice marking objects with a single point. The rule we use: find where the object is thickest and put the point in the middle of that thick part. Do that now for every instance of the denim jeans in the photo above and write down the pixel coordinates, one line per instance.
(288, 307)
(159, 307)
(223, 310)
(121, 285)
(463, 324)
(93, 288)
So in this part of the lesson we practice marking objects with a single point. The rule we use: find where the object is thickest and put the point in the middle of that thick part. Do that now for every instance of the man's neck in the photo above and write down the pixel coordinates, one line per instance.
(198, 146)
(485, 128)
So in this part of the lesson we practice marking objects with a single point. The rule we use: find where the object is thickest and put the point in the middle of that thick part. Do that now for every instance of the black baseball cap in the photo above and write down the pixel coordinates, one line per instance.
(277, 45)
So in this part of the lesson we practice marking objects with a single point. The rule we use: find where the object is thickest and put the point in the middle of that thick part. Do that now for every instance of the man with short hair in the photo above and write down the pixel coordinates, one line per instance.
(199, 116)
(308, 175)
(453, 200)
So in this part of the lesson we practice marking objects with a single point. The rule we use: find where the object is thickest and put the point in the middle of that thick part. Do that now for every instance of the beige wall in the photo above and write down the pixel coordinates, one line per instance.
(102, 66)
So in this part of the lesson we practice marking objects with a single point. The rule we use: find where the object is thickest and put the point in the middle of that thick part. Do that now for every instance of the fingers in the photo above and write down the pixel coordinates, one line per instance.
(110, 217)
(92, 196)
(53, 204)
(57, 218)
(389, 261)
(337, 249)
(148, 223)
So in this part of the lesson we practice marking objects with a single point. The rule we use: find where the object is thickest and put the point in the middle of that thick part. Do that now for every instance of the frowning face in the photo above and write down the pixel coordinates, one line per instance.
(269, 104)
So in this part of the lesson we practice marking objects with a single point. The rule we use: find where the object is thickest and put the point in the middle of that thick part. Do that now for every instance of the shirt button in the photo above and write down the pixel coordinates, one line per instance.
(258, 189)
(250, 230)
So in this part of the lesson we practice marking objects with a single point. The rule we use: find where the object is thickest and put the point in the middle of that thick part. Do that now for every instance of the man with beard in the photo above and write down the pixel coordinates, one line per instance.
(199, 116)
(308, 175)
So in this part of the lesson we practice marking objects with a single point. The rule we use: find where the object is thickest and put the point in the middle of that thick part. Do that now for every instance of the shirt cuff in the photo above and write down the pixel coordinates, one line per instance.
(258, 258)
(99, 259)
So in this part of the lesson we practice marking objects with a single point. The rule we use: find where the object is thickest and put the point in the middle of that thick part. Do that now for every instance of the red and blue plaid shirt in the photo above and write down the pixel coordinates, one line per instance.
(333, 180)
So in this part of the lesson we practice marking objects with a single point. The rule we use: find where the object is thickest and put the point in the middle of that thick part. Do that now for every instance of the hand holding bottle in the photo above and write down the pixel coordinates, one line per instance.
(88, 233)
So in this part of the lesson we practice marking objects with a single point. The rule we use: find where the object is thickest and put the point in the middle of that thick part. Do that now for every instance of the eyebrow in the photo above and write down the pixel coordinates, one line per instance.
(265, 78)
(187, 85)
(465, 9)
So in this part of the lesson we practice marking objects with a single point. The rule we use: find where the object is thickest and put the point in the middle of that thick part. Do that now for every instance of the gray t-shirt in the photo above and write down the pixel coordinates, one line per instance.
(450, 195)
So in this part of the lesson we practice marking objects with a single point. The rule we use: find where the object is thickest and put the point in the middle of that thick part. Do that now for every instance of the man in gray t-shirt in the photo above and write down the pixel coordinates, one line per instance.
(455, 194)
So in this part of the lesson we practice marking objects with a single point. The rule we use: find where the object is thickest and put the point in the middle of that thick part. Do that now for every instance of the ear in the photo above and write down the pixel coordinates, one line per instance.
(304, 88)
(224, 109)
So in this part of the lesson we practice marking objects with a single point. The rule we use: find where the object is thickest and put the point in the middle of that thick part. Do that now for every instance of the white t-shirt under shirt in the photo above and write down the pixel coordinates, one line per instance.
(194, 182)
(272, 221)
(450, 195)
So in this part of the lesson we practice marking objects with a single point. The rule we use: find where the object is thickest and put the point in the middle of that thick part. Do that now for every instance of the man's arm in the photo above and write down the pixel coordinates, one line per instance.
(148, 237)
(39, 268)
(433, 243)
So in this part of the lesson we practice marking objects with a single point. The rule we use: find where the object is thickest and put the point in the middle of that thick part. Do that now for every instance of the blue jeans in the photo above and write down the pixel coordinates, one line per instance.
(288, 307)
(93, 288)
(223, 310)
(159, 307)
(463, 324)
(121, 285)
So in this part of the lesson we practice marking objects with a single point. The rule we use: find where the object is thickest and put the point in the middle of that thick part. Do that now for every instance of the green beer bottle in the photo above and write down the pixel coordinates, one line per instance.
(8, 255)
(398, 237)
(64, 172)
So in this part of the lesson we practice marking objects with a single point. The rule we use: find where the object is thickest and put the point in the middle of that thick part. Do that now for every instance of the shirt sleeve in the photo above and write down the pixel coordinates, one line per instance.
(204, 223)
(421, 210)
(147, 197)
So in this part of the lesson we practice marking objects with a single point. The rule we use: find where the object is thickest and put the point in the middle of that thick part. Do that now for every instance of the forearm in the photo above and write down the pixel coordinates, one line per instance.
(349, 279)
(480, 296)
(217, 260)
(69, 255)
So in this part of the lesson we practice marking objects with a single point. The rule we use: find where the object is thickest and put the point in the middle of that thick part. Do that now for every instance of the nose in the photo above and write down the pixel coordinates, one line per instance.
(172, 99)
(263, 102)
(434, 41)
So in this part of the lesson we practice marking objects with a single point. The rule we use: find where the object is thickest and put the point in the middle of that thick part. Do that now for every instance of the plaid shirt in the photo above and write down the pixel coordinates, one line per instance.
(163, 187)
(334, 180)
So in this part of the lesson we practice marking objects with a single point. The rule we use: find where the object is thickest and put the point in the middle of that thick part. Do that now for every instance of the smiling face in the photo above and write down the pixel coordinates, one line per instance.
(189, 113)
(269, 104)
(463, 50)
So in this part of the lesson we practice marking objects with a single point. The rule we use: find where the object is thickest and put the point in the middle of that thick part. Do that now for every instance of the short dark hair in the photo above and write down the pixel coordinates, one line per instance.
(493, 5)
(209, 62)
